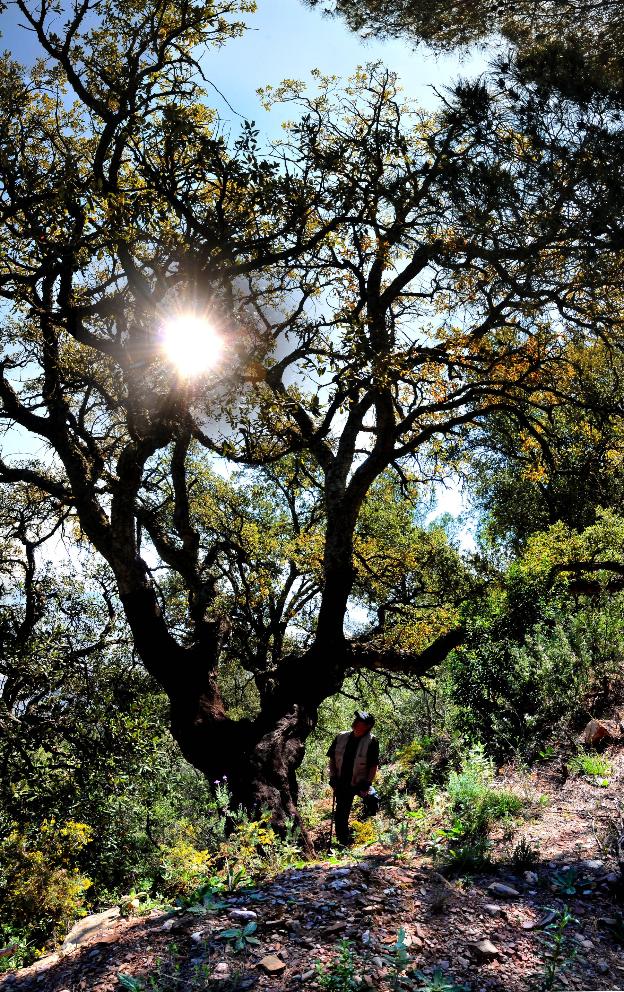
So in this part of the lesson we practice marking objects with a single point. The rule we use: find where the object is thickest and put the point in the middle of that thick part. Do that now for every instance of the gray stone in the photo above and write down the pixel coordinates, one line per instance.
(244, 915)
(493, 910)
(88, 926)
(531, 878)
(502, 891)
(593, 864)
(484, 949)
(543, 921)
(584, 942)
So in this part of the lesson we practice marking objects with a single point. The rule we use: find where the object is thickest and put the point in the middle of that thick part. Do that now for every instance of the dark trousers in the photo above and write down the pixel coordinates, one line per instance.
(345, 795)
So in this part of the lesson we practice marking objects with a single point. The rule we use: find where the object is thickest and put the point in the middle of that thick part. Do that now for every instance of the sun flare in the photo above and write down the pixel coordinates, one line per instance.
(191, 344)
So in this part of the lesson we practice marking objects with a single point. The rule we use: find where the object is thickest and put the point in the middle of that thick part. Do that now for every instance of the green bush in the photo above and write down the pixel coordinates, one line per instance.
(593, 765)
(41, 890)
(473, 803)
(533, 660)
(524, 855)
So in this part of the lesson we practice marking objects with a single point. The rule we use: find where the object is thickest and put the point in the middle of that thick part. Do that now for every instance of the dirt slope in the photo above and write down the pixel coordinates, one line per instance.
(303, 914)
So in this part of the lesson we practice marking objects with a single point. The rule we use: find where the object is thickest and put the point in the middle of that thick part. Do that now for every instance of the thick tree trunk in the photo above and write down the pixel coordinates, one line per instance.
(259, 758)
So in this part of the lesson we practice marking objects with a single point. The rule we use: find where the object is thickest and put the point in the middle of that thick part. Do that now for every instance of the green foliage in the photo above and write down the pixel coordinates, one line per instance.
(183, 866)
(473, 803)
(558, 951)
(422, 761)
(174, 973)
(467, 857)
(470, 809)
(595, 766)
(340, 975)
(413, 566)
(437, 982)
(574, 44)
(364, 832)
(566, 882)
(344, 972)
(240, 937)
(227, 850)
(535, 655)
(524, 855)
(397, 960)
(404, 716)
(41, 890)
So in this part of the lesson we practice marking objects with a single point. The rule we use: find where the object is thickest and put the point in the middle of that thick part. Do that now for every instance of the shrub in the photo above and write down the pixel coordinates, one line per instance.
(423, 762)
(524, 855)
(40, 890)
(364, 833)
(340, 975)
(593, 765)
(533, 658)
(473, 856)
(215, 858)
(474, 804)
(184, 867)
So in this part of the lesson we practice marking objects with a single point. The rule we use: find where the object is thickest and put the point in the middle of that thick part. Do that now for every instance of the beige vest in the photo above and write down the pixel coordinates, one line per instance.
(360, 765)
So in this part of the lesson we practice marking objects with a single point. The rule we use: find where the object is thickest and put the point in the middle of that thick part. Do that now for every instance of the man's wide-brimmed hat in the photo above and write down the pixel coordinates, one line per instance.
(365, 717)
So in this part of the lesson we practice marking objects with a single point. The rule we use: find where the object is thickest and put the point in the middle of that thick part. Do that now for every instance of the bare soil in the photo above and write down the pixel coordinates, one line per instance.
(303, 914)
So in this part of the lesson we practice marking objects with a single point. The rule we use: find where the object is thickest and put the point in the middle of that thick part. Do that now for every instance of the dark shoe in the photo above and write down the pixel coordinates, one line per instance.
(345, 841)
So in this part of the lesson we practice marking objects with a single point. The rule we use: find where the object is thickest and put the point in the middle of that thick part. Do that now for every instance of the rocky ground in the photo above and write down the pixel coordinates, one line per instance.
(487, 931)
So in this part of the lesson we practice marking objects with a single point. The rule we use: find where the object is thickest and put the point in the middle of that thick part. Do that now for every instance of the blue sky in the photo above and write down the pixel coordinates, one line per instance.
(287, 40)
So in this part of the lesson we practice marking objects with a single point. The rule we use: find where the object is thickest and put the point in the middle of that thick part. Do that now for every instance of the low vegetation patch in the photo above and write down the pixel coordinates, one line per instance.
(594, 766)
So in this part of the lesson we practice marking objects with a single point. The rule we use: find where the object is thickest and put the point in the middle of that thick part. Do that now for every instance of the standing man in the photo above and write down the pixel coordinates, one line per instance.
(353, 763)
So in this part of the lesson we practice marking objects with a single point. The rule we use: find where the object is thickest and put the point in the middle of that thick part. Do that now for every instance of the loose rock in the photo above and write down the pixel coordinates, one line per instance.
(88, 926)
(272, 964)
(502, 891)
(493, 910)
(543, 921)
(600, 730)
(244, 915)
(484, 949)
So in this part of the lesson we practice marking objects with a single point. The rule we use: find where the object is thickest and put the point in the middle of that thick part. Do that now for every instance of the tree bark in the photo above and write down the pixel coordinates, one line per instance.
(259, 759)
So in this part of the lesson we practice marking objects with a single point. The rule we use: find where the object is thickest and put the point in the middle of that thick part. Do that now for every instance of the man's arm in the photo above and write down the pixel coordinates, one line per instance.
(331, 767)
(373, 757)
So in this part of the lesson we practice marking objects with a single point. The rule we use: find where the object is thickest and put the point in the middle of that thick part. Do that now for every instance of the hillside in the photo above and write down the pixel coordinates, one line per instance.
(457, 930)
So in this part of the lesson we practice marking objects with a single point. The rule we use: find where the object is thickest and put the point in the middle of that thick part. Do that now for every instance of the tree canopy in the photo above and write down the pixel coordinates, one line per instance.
(385, 281)
(447, 24)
